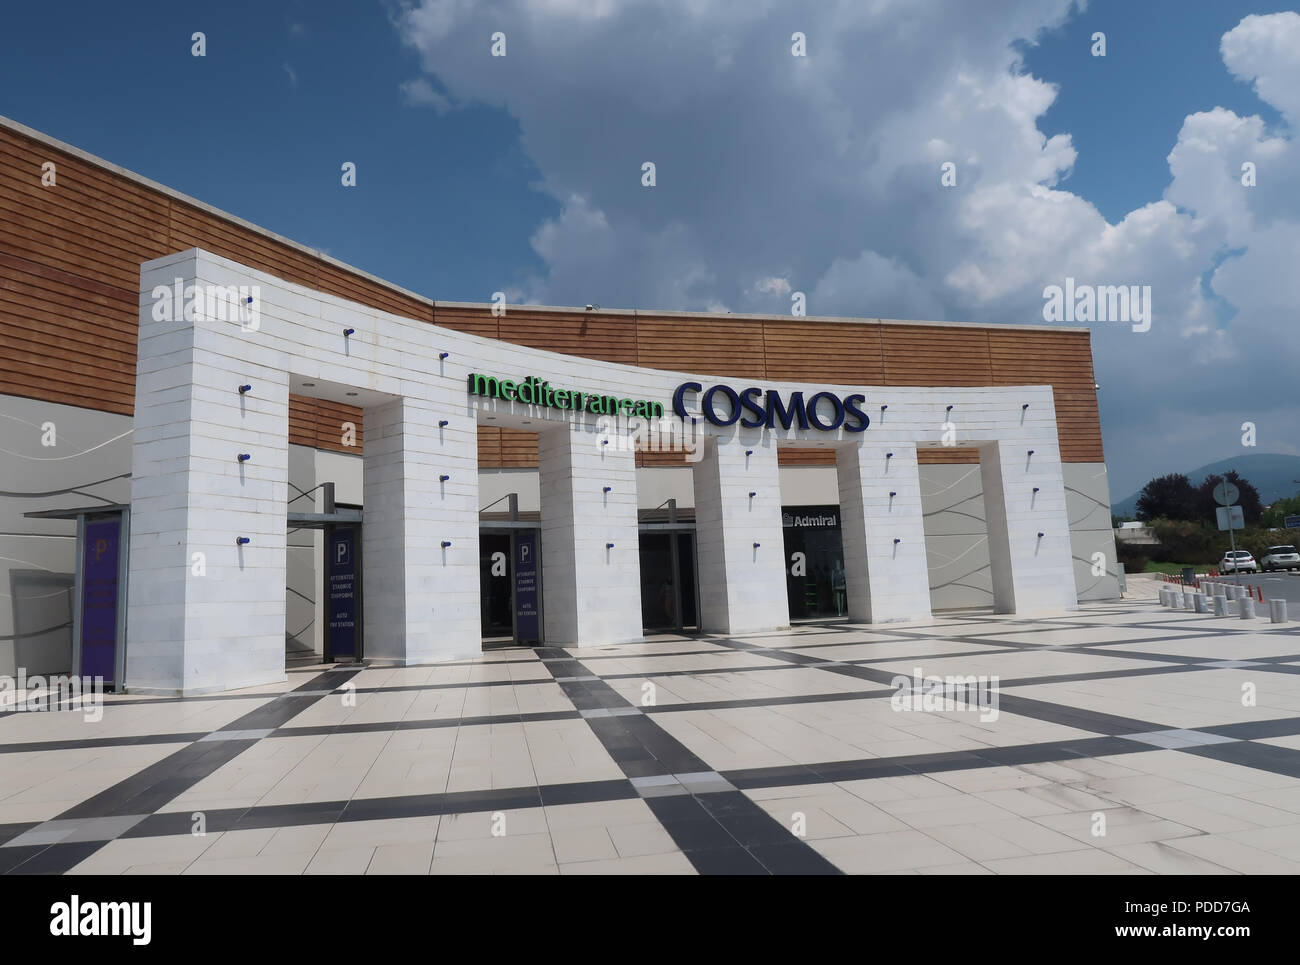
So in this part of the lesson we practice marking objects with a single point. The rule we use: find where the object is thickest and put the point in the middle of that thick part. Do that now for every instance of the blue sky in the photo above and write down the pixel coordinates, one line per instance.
(776, 175)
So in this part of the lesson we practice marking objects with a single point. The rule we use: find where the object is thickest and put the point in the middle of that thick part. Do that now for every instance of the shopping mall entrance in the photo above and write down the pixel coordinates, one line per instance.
(814, 562)
(510, 585)
(669, 588)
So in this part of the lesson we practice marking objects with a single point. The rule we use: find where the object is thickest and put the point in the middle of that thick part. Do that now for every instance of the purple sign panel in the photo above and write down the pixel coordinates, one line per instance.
(99, 599)
(527, 627)
(342, 602)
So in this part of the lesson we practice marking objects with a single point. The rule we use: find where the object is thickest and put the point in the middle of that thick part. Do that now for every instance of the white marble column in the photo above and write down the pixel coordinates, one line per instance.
(1029, 532)
(740, 546)
(420, 565)
(591, 564)
(885, 571)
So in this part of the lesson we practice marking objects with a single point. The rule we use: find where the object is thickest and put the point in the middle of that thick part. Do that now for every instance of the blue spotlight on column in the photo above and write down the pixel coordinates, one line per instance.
(609, 546)
(608, 489)
(446, 543)
(443, 423)
(241, 540)
(443, 478)
(443, 355)
(245, 388)
(244, 456)
(897, 541)
(348, 331)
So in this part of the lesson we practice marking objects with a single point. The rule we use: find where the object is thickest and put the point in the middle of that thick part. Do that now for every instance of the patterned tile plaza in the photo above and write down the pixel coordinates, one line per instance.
(1127, 739)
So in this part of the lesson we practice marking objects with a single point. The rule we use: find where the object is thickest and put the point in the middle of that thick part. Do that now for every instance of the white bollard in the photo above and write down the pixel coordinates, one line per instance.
(1189, 599)
(1246, 608)
(1277, 611)
(1222, 589)
(1175, 599)
(1220, 606)
(1239, 592)
(1201, 603)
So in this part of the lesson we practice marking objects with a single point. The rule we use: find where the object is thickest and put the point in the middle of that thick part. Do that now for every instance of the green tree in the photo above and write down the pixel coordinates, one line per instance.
(1167, 497)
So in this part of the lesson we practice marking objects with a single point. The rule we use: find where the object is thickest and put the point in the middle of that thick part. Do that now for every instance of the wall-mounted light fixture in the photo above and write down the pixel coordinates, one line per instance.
(241, 540)
(446, 543)
(443, 423)
(245, 388)
(245, 456)
(348, 331)
(443, 478)
(608, 489)
(443, 355)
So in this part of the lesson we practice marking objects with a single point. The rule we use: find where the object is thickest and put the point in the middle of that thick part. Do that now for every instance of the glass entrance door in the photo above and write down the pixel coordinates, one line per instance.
(510, 586)
(668, 580)
(495, 583)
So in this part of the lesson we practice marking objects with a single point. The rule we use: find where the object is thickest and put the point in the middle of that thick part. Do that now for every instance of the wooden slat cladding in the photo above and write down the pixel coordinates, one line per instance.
(838, 354)
(921, 355)
(591, 335)
(714, 345)
(518, 449)
(320, 424)
(70, 266)
(947, 456)
(333, 280)
(192, 227)
(475, 321)
(792, 456)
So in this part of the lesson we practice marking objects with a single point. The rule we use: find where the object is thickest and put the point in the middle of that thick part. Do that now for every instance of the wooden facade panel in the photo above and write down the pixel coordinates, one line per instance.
(518, 449)
(191, 227)
(475, 321)
(947, 455)
(824, 352)
(799, 456)
(489, 447)
(335, 281)
(715, 346)
(917, 355)
(610, 338)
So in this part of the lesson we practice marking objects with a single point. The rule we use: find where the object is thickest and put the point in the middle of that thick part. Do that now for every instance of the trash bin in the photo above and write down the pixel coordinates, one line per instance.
(1189, 575)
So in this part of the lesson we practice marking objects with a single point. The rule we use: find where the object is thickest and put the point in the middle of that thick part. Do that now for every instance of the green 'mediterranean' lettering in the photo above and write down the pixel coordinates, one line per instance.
(536, 391)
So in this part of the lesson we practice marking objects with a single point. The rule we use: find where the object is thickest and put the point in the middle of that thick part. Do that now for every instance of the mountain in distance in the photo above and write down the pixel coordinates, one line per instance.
(1272, 473)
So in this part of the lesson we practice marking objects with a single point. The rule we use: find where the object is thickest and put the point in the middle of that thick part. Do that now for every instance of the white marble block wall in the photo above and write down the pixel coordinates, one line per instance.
(885, 580)
(740, 546)
(421, 598)
(204, 613)
(591, 591)
(1031, 573)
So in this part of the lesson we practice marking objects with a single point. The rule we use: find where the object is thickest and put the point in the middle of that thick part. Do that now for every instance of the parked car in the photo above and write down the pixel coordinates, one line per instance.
(1280, 558)
(1237, 561)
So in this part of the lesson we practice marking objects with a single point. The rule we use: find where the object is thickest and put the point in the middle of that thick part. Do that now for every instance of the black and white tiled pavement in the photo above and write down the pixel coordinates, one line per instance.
(1175, 735)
